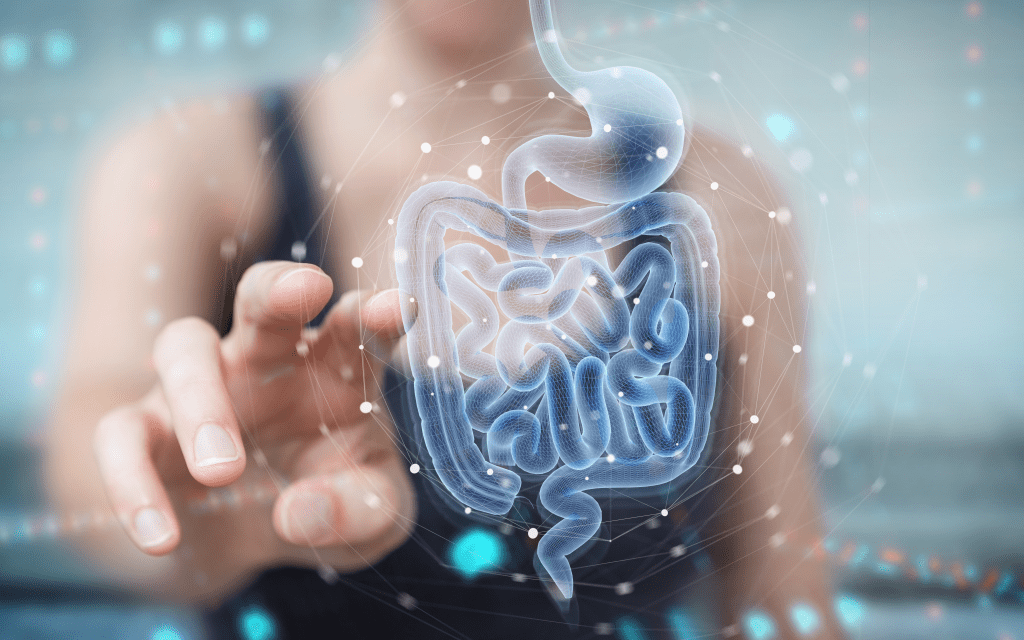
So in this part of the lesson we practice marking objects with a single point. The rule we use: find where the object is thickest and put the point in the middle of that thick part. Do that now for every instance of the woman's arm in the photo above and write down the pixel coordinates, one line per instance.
(155, 208)
(765, 533)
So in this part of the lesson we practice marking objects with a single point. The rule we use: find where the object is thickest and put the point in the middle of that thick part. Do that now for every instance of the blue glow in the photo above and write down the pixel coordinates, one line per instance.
(974, 98)
(255, 29)
(254, 623)
(168, 38)
(682, 624)
(850, 611)
(973, 143)
(165, 632)
(59, 47)
(630, 629)
(475, 551)
(213, 33)
(758, 625)
(805, 618)
(14, 51)
(780, 126)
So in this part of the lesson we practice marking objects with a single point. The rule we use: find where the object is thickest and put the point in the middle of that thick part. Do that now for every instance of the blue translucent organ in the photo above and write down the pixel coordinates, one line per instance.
(563, 378)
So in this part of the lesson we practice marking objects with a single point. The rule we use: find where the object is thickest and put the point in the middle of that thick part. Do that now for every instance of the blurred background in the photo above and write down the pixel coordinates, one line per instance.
(896, 128)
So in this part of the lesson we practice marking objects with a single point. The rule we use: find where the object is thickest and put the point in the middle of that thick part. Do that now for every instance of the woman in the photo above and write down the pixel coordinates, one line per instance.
(176, 210)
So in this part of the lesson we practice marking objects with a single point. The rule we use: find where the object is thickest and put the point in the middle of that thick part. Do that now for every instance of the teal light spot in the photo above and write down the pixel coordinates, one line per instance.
(630, 629)
(974, 98)
(14, 51)
(682, 624)
(850, 611)
(59, 47)
(255, 29)
(973, 143)
(165, 632)
(805, 618)
(475, 551)
(758, 625)
(213, 33)
(255, 623)
(780, 126)
(168, 38)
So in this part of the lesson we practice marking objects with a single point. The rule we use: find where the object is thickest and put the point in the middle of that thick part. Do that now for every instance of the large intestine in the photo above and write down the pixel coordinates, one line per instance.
(597, 377)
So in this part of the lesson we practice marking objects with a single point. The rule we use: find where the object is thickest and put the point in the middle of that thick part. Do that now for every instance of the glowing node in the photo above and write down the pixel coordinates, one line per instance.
(532, 533)
(812, 288)
(850, 611)
(758, 625)
(476, 551)
(485, 140)
(747, 151)
(829, 457)
(780, 126)
(59, 47)
(786, 439)
(361, 347)
(490, 472)
(737, 469)
(414, 468)
(391, 221)
(715, 76)
(468, 510)
(14, 51)
(501, 93)
(168, 38)
(213, 33)
(677, 551)
(754, 419)
(745, 447)
(772, 512)
(624, 588)
(425, 147)
(771, 214)
(714, 186)
(397, 99)
(366, 407)
(255, 29)
(165, 632)
(607, 128)
(708, 357)
(407, 601)
(611, 457)
(664, 513)
(797, 348)
(805, 618)
(474, 172)
(254, 623)
(661, 153)
(771, 295)
(704, 264)
(357, 262)
(551, 95)
(743, 359)
(433, 362)
(748, 321)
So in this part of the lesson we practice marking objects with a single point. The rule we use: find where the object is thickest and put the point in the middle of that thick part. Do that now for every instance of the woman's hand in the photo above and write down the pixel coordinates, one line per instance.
(297, 396)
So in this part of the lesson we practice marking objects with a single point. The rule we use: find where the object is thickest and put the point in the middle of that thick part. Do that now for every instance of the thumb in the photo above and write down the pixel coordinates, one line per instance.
(359, 507)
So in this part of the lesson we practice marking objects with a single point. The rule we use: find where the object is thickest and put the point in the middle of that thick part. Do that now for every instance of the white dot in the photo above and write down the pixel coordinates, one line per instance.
(414, 468)
(745, 447)
(771, 295)
(532, 532)
(743, 359)
(468, 511)
(648, 345)
(621, 394)
(754, 419)
(357, 262)
(748, 321)
(771, 214)
(664, 512)
(662, 153)
(797, 348)
(474, 172)
(547, 178)
(366, 407)
(714, 75)
(490, 472)
(592, 281)
(636, 300)
(551, 95)
(679, 122)
(485, 140)
(433, 362)
(425, 147)
(391, 221)
(787, 438)
(611, 457)
(704, 264)
(747, 151)
(361, 347)
(772, 511)
(397, 99)
(714, 186)
(708, 356)
(737, 469)
(607, 128)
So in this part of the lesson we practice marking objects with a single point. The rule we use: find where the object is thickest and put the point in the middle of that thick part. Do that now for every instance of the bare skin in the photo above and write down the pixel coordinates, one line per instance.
(171, 191)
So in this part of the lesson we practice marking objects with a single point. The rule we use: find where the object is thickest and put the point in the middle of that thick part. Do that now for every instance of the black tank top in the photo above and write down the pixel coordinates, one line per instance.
(639, 587)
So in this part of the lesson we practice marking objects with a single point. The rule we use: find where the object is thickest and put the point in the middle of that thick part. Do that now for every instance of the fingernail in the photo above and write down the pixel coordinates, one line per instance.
(368, 509)
(151, 527)
(213, 445)
(289, 274)
(309, 519)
